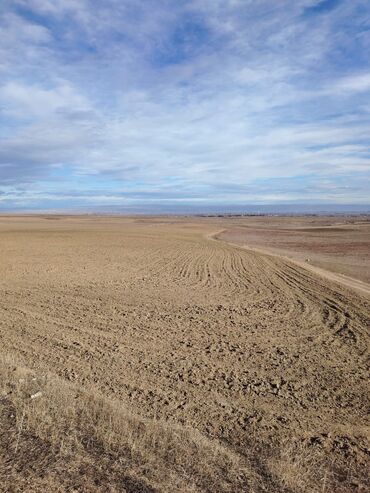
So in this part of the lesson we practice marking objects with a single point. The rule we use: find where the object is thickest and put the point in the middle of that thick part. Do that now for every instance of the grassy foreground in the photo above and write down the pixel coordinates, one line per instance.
(59, 437)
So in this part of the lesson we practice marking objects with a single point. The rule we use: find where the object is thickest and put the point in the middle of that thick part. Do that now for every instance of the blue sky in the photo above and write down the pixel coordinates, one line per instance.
(119, 103)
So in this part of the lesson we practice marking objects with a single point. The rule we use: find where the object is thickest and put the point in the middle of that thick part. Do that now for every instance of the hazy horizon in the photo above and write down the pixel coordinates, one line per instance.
(210, 209)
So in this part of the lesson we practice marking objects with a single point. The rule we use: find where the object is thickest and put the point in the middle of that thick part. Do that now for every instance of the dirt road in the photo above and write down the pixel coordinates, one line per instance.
(346, 281)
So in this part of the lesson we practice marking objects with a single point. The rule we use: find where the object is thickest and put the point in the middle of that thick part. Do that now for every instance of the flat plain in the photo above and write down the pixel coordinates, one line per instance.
(173, 354)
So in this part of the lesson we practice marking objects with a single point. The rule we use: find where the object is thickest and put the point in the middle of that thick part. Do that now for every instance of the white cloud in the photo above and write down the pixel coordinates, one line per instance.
(31, 101)
(53, 7)
(353, 83)
(211, 94)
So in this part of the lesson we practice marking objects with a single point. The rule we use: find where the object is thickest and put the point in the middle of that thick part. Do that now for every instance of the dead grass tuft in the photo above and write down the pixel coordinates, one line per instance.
(302, 468)
(68, 438)
(80, 428)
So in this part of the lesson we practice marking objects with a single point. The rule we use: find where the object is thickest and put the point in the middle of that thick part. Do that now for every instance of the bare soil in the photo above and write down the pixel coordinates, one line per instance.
(226, 369)
(338, 244)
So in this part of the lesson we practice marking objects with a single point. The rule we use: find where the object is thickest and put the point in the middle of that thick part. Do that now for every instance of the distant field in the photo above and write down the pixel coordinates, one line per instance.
(340, 244)
(162, 358)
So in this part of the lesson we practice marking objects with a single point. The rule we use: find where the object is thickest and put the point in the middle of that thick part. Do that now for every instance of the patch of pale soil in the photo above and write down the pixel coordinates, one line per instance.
(336, 244)
(346, 281)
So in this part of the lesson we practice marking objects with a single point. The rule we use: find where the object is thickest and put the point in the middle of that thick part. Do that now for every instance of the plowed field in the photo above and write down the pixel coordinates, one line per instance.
(253, 353)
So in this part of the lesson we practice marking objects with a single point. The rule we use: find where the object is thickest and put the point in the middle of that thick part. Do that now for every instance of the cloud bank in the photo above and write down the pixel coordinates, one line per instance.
(200, 102)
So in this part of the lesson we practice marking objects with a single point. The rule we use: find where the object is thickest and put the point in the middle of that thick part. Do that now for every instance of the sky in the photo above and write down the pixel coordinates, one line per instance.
(122, 104)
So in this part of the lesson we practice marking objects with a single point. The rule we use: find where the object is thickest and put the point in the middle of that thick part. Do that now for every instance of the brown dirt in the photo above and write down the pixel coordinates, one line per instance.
(265, 360)
(338, 244)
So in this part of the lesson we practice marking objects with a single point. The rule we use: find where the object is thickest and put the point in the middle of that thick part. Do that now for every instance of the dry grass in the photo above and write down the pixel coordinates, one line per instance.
(71, 439)
(76, 432)
(301, 468)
